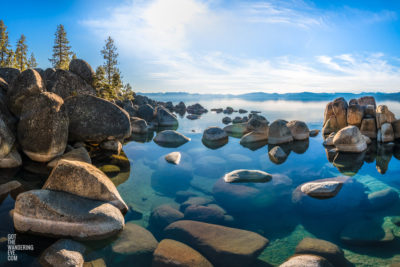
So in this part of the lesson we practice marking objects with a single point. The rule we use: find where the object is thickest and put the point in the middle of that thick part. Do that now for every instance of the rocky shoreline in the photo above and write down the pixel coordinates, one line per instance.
(53, 124)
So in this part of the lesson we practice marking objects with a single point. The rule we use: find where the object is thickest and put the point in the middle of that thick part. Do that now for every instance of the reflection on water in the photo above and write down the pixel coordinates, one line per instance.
(360, 218)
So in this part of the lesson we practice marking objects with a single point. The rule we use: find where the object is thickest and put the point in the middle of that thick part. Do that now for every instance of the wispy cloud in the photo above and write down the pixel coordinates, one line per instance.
(185, 45)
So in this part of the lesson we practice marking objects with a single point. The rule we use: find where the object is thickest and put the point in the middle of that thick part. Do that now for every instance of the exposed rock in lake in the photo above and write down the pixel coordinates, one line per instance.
(386, 133)
(236, 130)
(222, 246)
(138, 125)
(355, 114)
(329, 139)
(306, 261)
(180, 108)
(314, 133)
(165, 118)
(8, 188)
(85, 180)
(330, 126)
(45, 111)
(170, 138)
(83, 69)
(241, 111)
(322, 189)
(384, 115)
(164, 215)
(226, 120)
(146, 112)
(279, 133)
(247, 176)
(298, 129)
(193, 117)
(228, 110)
(254, 137)
(63, 253)
(258, 124)
(90, 118)
(171, 253)
(114, 146)
(65, 84)
(277, 155)
(135, 244)
(196, 109)
(237, 120)
(173, 157)
(28, 83)
(368, 127)
(350, 139)
(78, 154)
(322, 248)
(214, 137)
(7, 139)
(65, 215)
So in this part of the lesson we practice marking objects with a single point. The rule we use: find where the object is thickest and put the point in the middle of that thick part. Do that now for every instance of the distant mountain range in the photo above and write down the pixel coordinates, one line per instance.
(303, 96)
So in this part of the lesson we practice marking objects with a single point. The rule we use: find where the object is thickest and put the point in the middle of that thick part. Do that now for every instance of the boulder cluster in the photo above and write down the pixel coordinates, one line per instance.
(350, 126)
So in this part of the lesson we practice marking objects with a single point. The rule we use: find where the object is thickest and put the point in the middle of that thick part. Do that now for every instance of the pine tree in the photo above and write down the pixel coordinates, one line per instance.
(32, 62)
(112, 73)
(127, 92)
(104, 90)
(4, 46)
(20, 53)
(11, 62)
(61, 50)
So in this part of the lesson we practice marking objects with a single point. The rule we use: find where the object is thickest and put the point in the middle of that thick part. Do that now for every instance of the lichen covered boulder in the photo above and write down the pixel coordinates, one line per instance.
(170, 138)
(279, 133)
(299, 130)
(66, 83)
(43, 127)
(81, 68)
(28, 83)
(93, 119)
(63, 253)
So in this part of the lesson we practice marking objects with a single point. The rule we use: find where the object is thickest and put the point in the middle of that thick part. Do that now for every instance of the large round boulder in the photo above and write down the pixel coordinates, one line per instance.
(298, 129)
(28, 83)
(43, 127)
(384, 115)
(214, 137)
(138, 125)
(222, 246)
(165, 118)
(9, 74)
(65, 84)
(170, 138)
(146, 112)
(171, 253)
(279, 133)
(277, 155)
(247, 176)
(306, 261)
(7, 139)
(325, 249)
(61, 214)
(164, 215)
(93, 119)
(81, 68)
(85, 180)
(350, 139)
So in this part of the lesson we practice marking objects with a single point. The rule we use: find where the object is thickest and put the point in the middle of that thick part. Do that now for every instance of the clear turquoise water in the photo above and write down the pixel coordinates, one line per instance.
(273, 210)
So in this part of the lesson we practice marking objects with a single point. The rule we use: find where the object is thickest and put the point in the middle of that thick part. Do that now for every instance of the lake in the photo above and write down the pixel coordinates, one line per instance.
(273, 209)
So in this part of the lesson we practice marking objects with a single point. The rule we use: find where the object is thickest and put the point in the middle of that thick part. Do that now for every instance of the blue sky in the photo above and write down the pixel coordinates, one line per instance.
(226, 46)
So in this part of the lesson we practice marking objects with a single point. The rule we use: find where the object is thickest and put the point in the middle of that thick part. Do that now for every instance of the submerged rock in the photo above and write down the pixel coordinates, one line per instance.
(306, 261)
(383, 198)
(277, 155)
(61, 214)
(350, 139)
(171, 253)
(28, 83)
(164, 215)
(222, 246)
(247, 176)
(93, 119)
(45, 111)
(322, 248)
(366, 233)
(135, 244)
(63, 253)
(85, 180)
(173, 157)
(204, 214)
(322, 189)
(170, 138)
(279, 133)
